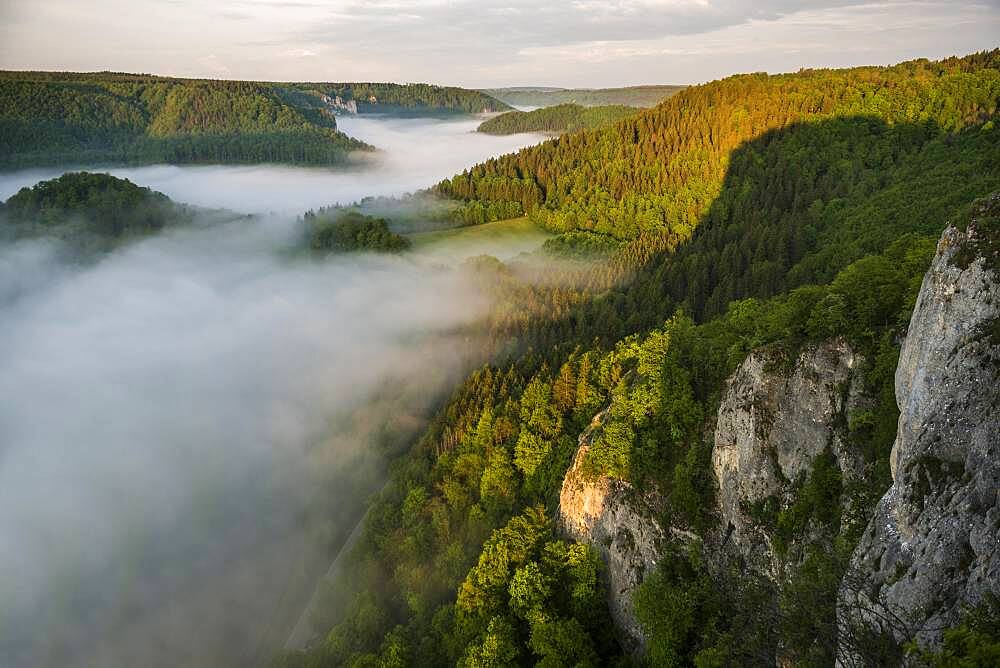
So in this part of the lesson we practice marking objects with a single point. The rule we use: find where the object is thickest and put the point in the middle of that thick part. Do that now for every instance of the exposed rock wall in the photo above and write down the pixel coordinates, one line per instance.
(934, 542)
(606, 513)
(773, 423)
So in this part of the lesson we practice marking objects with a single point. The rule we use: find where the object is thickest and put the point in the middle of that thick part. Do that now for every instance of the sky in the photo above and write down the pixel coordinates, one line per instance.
(484, 43)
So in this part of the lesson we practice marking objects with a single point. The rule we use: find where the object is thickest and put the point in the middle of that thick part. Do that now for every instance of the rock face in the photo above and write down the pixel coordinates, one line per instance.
(605, 513)
(934, 542)
(932, 546)
(772, 425)
(339, 104)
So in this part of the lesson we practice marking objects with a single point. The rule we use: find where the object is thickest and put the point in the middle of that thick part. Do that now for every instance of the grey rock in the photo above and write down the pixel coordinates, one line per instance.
(932, 546)
(773, 423)
(607, 514)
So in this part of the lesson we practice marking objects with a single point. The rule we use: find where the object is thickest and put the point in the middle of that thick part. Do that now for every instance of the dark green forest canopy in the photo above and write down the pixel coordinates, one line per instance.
(560, 118)
(112, 118)
(341, 230)
(96, 206)
(632, 96)
(752, 212)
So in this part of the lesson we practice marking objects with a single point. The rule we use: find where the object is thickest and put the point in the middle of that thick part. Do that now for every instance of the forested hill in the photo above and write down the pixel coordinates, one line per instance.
(657, 172)
(557, 119)
(92, 213)
(414, 98)
(757, 213)
(631, 96)
(112, 118)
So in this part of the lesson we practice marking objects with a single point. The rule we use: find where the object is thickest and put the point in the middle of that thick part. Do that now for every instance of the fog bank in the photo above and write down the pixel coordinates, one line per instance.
(414, 153)
(190, 423)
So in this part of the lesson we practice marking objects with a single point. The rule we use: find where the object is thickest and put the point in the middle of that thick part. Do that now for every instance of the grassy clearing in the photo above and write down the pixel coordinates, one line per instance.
(503, 239)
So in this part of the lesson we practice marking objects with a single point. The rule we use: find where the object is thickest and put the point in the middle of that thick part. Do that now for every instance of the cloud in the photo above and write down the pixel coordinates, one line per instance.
(213, 65)
(482, 43)
(524, 23)
(300, 53)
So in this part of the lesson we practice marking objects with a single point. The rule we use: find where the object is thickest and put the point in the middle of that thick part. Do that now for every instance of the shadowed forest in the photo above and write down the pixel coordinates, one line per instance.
(755, 211)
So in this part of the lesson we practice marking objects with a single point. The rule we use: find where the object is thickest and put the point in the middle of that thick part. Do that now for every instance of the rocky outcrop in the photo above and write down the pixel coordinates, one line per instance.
(338, 104)
(606, 513)
(775, 419)
(933, 544)
(932, 547)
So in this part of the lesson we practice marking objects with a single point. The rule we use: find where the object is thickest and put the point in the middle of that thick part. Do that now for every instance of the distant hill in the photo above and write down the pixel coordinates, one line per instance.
(560, 118)
(632, 96)
(112, 118)
(405, 99)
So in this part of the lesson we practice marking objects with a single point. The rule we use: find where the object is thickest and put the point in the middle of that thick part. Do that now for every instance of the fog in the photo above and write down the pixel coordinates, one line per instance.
(413, 154)
(189, 425)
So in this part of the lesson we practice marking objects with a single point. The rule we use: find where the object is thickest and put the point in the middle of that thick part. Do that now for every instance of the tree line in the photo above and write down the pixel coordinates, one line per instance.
(49, 118)
(557, 119)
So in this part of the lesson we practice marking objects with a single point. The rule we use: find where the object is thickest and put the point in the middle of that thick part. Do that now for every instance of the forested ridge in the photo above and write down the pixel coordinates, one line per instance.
(103, 118)
(631, 96)
(560, 118)
(658, 171)
(755, 211)
(409, 98)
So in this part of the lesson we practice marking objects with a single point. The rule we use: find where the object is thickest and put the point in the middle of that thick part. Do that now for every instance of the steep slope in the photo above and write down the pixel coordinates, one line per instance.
(773, 427)
(933, 546)
(809, 255)
(607, 514)
(659, 172)
(785, 461)
(407, 99)
(50, 118)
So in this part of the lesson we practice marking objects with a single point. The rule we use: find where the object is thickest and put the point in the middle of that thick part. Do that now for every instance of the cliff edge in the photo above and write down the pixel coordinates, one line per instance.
(933, 545)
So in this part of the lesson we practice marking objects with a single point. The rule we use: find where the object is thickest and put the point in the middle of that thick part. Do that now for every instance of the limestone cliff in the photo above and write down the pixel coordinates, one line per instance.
(773, 423)
(932, 546)
(606, 513)
(774, 420)
(934, 542)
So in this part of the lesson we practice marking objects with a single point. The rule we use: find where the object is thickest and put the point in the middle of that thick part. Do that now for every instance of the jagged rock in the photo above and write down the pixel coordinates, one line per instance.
(339, 104)
(932, 545)
(605, 512)
(772, 424)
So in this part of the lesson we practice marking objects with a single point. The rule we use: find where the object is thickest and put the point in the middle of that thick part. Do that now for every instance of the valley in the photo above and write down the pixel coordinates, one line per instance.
(254, 489)
(300, 370)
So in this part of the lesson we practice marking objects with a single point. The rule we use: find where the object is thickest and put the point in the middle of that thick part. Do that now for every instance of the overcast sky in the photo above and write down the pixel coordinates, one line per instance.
(480, 43)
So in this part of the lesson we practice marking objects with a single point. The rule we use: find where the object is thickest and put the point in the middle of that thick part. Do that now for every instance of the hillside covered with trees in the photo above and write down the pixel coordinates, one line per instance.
(110, 118)
(409, 99)
(558, 119)
(631, 96)
(754, 211)
(88, 210)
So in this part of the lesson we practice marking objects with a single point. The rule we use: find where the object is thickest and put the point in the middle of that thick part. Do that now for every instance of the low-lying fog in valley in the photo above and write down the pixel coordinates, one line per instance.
(189, 424)
(414, 153)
